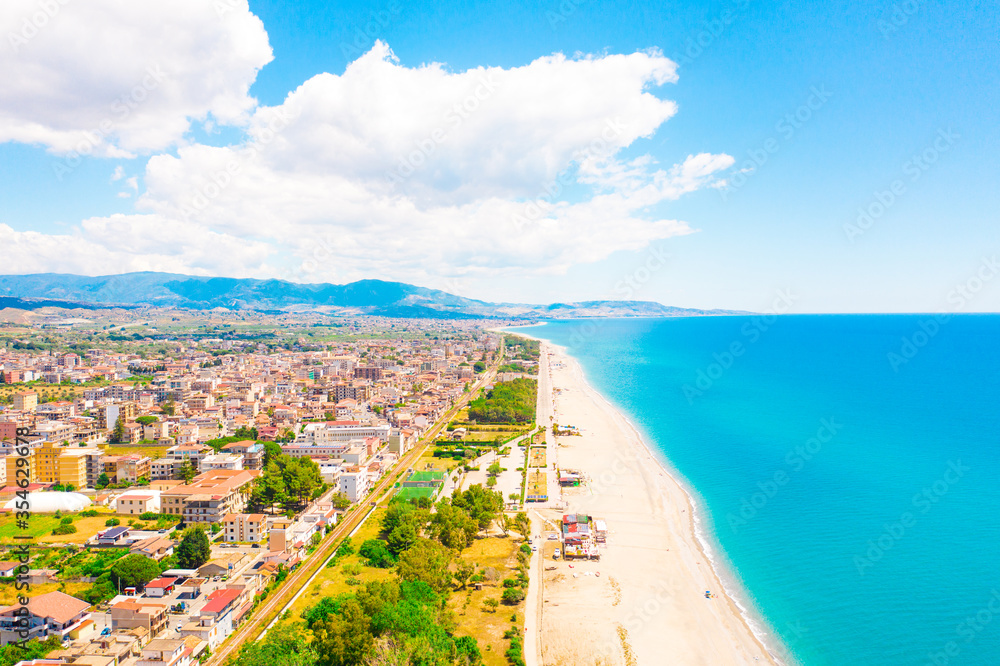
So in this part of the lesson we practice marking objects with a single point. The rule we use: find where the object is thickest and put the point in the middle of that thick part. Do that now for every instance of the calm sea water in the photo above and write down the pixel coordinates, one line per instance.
(847, 466)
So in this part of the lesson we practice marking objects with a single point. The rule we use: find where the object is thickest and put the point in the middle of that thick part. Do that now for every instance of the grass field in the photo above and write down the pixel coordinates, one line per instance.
(153, 452)
(40, 527)
(333, 580)
(537, 484)
(8, 595)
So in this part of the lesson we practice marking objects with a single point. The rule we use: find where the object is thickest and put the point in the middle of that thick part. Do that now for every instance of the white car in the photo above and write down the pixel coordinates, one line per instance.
(556, 555)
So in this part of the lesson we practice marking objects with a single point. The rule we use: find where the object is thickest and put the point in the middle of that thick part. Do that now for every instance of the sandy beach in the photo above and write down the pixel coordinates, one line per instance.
(645, 601)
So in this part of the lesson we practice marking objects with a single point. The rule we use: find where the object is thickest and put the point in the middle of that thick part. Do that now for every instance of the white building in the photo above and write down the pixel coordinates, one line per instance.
(354, 483)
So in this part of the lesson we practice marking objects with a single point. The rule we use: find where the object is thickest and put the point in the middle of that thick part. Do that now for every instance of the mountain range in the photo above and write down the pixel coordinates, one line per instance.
(367, 297)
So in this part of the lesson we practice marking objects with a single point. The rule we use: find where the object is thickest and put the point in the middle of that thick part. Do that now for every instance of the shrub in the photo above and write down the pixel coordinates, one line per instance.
(509, 582)
(64, 529)
(148, 515)
(512, 595)
(89, 513)
(526, 549)
(377, 554)
(68, 520)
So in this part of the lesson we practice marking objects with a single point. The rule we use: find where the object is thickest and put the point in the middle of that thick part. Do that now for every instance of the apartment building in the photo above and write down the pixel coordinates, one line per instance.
(25, 401)
(136, 613)
(210, 496)
(354, 482)
(66, 465)
(221, 461)
(252, 452)
(54, 613)
(244, 527)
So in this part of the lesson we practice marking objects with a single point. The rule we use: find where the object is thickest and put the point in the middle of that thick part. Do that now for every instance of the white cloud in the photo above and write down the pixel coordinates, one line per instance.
(123, 243)
(412, 173)
(116, 77)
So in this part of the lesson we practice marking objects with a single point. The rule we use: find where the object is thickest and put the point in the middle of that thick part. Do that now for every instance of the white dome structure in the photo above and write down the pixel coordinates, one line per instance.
(50, 502)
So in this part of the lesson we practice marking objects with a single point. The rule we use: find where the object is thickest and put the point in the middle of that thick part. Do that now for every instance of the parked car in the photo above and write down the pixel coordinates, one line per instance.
(107, 630)
(556, 555)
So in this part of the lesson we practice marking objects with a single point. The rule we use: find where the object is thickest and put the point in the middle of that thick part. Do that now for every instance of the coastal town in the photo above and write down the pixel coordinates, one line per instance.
(184, 488)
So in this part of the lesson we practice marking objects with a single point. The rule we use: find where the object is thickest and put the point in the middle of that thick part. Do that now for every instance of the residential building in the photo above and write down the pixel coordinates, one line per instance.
(354, 483)
(53, 613)
(25, 401)
(165, 652)
(130, 614)
(228, 461)
(244, 527)
(252, 452)
(209, 496)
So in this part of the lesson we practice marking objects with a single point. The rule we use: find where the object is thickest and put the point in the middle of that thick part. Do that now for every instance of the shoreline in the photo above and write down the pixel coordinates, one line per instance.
(711, 551)
(734, 629)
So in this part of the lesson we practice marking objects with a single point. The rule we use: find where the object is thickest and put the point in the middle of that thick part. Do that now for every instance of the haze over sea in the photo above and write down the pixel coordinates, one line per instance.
(852, 481)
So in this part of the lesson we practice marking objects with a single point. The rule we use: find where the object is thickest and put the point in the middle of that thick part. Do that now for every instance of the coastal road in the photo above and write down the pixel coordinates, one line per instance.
(276, 603)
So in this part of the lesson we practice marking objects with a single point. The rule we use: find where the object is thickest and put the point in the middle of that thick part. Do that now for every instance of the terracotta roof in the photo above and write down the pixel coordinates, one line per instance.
(56, 605)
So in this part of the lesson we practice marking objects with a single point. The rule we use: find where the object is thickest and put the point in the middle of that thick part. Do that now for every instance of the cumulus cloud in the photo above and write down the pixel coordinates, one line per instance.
(117, 77)
(414, 172)
(123, 243)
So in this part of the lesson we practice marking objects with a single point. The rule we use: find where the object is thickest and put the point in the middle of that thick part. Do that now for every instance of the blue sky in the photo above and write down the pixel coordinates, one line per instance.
(873, 87)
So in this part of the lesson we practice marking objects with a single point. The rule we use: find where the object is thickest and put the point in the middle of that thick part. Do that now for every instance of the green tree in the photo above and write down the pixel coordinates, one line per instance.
(103, 480)
(301, 478)
(463, 572)
(187, 472)
(272, 451)
(426, 561)
(345, 638)
(286, 644)
(134, 571)
(340, 501)
(522, 525)
(118, 433)
(194, 549)
(168, 407)
(401, 538)
(377, 554)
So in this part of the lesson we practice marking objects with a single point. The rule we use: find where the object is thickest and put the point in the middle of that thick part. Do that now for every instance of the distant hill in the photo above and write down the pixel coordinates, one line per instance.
(371, 297)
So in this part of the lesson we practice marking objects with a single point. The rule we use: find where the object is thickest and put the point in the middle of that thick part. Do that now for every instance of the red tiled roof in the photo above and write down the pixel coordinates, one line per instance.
(218, 600)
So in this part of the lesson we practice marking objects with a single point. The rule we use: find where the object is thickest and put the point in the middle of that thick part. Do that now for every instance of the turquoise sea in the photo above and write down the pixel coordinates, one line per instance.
(846, 466)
